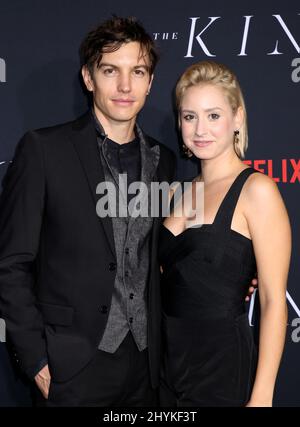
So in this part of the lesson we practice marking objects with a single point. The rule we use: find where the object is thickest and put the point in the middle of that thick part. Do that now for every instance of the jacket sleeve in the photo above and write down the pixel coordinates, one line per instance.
(21, 213)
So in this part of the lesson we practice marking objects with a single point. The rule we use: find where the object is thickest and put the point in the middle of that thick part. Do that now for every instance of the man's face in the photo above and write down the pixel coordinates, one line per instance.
(120, 84)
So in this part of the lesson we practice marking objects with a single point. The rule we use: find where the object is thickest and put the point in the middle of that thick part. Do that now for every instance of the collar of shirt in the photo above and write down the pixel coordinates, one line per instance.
(131, 145)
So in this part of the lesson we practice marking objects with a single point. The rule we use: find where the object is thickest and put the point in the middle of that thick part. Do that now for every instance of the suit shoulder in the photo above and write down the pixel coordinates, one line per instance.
(167, 151)
(61, 128)
(53, 135)
(52, 130)
(164, 149)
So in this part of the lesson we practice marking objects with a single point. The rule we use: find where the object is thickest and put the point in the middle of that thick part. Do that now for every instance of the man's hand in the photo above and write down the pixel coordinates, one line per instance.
(254, 284)
(42, 380)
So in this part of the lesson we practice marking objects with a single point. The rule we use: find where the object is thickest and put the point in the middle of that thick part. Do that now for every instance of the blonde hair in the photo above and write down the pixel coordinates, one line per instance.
(210, 72)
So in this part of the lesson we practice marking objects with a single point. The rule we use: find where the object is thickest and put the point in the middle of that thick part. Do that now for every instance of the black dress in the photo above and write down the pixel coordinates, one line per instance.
(209, 352)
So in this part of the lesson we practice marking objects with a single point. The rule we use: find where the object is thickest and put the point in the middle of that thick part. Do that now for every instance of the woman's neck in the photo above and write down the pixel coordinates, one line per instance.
(216, 169)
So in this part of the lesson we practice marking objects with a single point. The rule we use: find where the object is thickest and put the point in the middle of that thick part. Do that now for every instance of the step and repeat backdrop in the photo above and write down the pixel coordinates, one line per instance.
(40, 86)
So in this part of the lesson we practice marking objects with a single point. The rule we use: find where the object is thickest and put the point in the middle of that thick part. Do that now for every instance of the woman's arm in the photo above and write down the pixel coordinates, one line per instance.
(271, 235)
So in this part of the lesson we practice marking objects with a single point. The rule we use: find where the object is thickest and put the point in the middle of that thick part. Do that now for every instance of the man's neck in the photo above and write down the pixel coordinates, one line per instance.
(118, 131)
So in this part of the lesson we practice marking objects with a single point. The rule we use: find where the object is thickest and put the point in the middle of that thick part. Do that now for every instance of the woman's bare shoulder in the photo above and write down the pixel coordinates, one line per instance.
(260, 187)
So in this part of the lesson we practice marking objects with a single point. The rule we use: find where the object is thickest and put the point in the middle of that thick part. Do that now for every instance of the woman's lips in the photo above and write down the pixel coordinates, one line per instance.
(202, 143)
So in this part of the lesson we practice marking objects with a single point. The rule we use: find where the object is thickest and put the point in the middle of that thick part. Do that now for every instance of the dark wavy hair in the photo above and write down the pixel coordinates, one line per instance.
(109, 37)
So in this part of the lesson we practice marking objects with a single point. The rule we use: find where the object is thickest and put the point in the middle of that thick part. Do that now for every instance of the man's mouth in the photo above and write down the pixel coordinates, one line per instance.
(123, 101)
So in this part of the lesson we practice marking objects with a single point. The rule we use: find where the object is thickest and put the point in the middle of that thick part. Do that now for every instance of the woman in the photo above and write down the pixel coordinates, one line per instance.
(210, 357)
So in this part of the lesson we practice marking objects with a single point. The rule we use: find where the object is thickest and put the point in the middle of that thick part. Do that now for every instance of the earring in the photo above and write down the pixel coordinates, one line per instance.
(235, 143)
(186, 151)
(236, 138)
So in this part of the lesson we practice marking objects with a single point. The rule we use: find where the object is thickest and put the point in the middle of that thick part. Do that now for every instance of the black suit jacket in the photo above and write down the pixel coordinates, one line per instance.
(57, 257)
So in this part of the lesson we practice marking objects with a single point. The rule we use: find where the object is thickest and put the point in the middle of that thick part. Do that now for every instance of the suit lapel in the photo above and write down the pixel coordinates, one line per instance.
(85, 144)
(149, 161)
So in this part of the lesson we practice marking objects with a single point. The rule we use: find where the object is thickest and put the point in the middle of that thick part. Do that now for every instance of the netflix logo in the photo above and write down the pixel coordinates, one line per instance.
(284, 170)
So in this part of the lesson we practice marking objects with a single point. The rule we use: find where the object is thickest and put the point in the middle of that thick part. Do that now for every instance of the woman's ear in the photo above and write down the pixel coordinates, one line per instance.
(239, 118)
(179, 121)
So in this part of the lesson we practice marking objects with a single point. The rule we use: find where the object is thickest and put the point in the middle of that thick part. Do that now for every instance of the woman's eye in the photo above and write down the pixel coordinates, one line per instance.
(214, 116)
(188, 117)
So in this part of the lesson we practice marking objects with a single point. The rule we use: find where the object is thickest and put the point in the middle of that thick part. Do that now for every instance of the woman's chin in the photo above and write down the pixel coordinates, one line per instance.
(202, 156)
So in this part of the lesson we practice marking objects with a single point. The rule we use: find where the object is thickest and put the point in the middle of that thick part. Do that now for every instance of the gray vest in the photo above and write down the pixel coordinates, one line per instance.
(132, 236)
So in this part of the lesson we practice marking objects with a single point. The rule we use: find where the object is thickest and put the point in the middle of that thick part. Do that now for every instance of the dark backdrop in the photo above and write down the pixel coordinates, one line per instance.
(40, 86)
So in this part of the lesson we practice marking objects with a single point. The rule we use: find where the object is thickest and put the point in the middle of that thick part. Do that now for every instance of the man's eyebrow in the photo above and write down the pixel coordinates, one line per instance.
(107, 64)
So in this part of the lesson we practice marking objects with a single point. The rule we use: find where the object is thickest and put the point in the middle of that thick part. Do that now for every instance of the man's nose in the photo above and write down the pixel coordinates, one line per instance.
(124, 83)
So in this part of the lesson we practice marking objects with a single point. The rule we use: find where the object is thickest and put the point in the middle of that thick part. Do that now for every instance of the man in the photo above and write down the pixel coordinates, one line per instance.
(79, 293)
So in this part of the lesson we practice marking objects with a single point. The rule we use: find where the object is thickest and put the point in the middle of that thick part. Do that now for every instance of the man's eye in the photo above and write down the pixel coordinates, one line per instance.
(139, 72)
(109, 71)
(214, 116)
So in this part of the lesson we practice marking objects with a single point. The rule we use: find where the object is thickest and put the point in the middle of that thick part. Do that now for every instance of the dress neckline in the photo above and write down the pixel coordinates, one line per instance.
(220, 208)
(202, 227)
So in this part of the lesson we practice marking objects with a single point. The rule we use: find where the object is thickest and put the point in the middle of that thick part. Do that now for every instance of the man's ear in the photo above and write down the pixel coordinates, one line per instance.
(87, 78)
(150, 83)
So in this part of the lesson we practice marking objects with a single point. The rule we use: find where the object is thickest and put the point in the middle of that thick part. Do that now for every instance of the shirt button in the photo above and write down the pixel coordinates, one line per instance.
(126, 273)
(112, 266)
(103, 309)
(130, 319)
(131, 296)
(127, 251)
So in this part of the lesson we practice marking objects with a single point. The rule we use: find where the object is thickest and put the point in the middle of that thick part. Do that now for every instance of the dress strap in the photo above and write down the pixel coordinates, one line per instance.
(226, 210)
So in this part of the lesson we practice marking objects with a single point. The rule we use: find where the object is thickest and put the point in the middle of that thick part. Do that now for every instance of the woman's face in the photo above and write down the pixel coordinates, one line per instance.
(207, 121)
